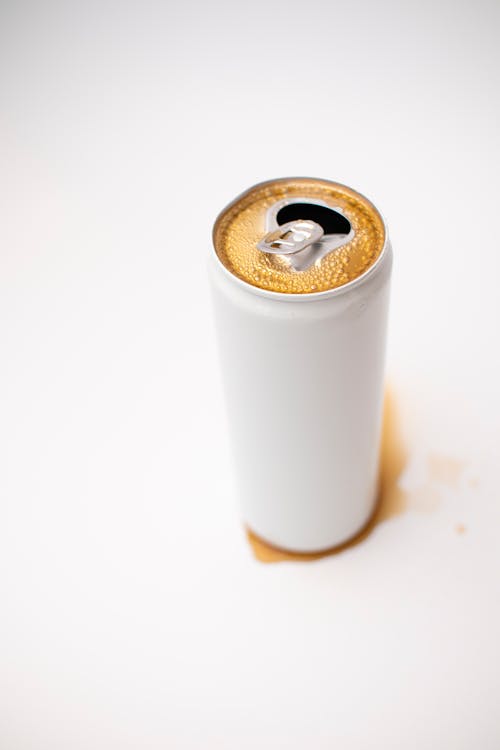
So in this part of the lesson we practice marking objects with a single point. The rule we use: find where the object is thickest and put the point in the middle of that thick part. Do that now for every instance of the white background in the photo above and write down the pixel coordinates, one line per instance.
(133, 613)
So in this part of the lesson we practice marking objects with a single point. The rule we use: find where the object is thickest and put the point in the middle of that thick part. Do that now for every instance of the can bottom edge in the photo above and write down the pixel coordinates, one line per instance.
(267, 551)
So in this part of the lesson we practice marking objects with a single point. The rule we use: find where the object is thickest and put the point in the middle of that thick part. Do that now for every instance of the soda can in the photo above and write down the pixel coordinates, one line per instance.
(300, 275)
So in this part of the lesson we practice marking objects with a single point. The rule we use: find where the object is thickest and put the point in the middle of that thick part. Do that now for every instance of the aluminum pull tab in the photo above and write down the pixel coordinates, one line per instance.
(291, 237)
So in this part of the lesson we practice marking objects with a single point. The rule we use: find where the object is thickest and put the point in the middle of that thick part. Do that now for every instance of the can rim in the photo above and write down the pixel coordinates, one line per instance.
(304, 296)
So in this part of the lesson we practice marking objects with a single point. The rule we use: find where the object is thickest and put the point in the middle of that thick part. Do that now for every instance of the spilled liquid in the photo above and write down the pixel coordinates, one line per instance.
(440, 472)
(392, 499)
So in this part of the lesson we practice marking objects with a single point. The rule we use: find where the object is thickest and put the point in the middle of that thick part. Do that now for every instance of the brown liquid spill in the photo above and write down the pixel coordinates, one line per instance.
(392, 500)
(442, 471)
(445, 470)
(425, 499)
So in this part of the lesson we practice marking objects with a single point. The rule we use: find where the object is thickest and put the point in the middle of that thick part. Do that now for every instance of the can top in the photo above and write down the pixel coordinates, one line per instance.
(299, 235)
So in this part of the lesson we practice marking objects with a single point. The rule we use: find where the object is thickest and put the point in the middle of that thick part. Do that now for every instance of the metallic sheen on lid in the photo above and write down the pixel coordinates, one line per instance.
(242, 231)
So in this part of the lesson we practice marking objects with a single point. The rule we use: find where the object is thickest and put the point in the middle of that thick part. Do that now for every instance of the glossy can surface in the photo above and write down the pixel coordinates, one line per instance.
(303, 378)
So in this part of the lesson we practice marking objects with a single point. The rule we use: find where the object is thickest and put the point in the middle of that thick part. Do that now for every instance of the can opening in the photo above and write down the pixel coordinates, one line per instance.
(330, 220)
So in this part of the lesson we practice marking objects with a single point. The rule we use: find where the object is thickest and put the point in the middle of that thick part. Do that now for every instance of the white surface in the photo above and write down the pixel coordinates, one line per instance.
(304, 386)
(133, 613)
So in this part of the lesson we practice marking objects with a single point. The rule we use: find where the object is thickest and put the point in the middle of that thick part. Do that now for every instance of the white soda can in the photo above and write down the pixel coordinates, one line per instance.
(300, 275)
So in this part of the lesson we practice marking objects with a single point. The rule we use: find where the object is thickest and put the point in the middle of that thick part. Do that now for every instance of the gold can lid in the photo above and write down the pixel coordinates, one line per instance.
(299, 235)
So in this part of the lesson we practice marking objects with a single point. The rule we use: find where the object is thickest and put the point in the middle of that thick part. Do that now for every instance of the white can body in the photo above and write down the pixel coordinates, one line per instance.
(303, 376)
